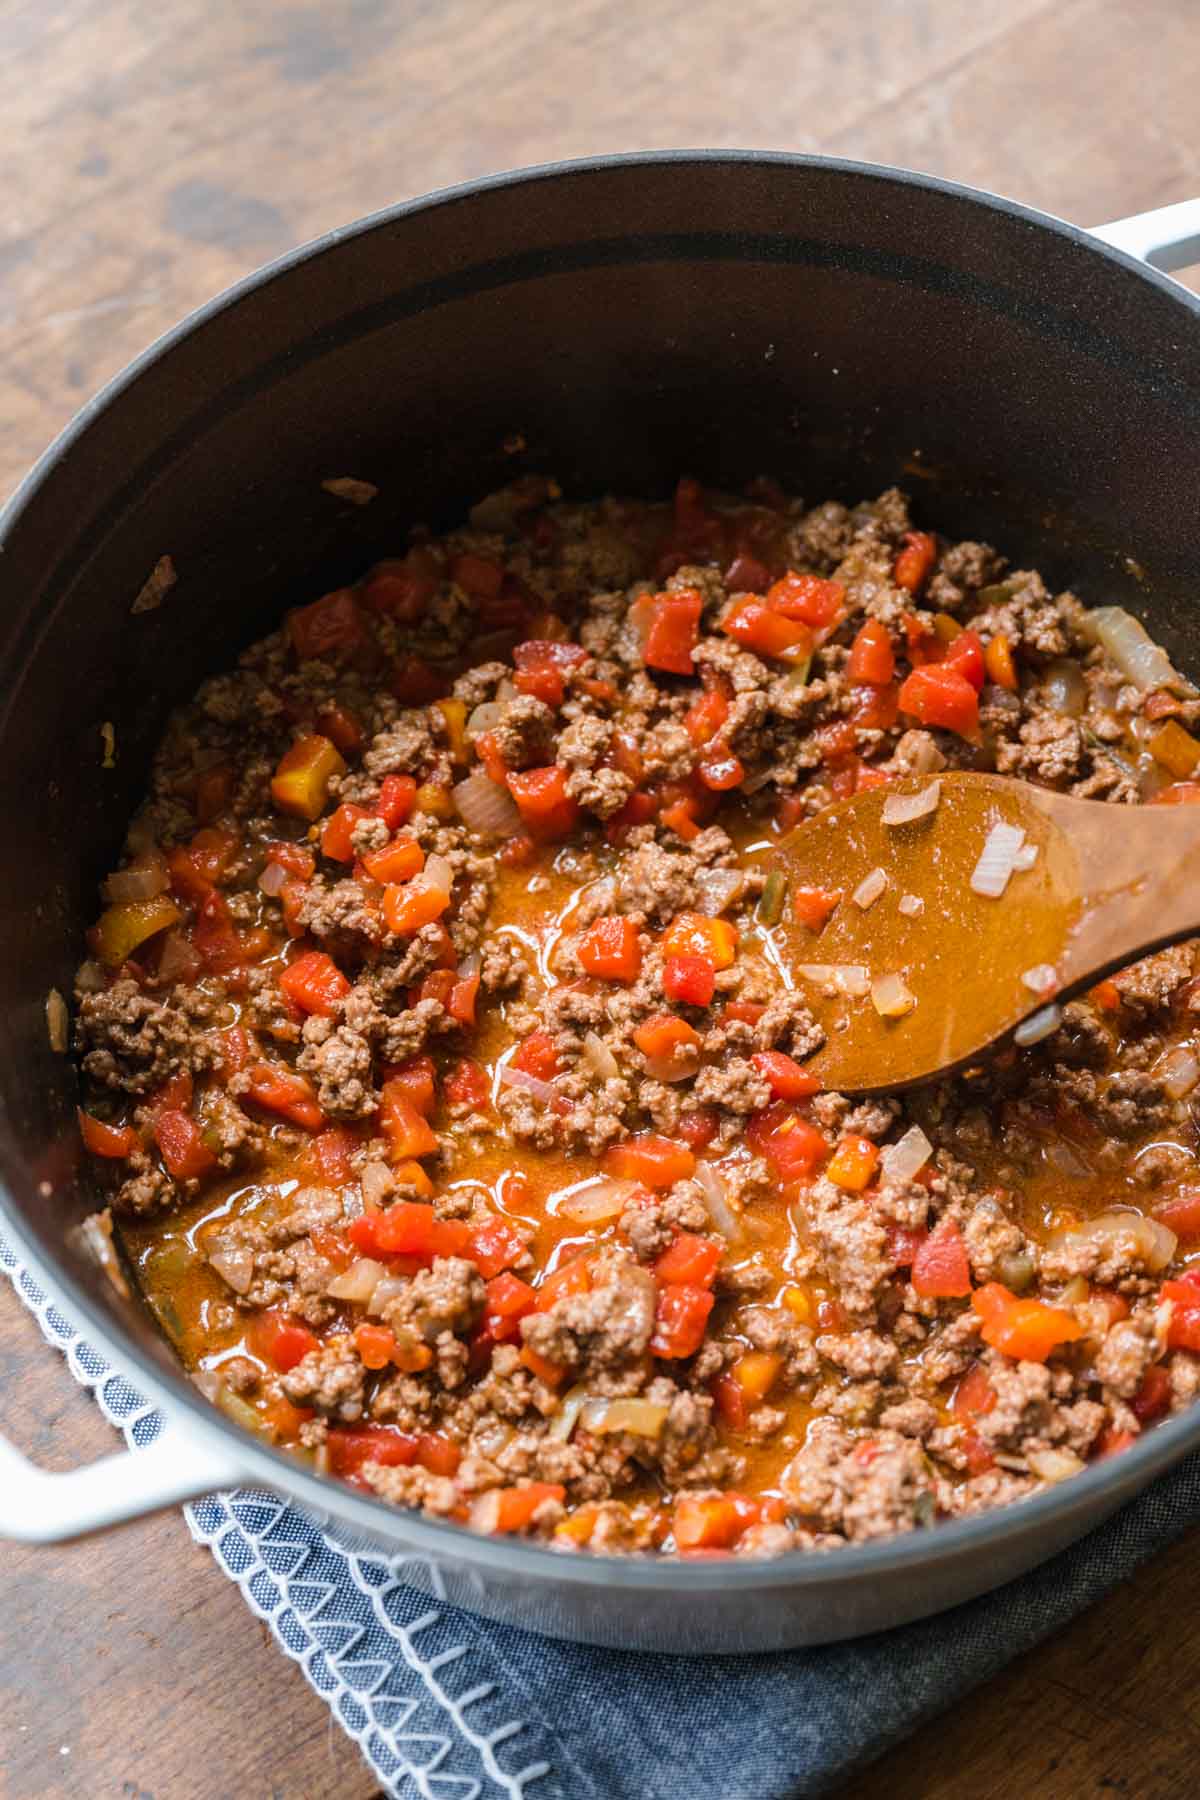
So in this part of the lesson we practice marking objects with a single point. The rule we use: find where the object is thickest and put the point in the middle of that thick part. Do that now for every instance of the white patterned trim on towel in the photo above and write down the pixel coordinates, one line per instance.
(392, 1669)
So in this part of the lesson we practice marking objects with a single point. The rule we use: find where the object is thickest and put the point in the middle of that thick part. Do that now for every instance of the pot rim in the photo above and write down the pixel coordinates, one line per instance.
(1115, 1478)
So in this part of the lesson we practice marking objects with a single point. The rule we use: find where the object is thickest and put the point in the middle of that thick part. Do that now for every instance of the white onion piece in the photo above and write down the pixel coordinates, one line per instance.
(491, 1438)
(891, 995)
(484, 806)
(377, 1185)
(567, 1417)
(234, 1263)
(178, 961)
(911, 905)
(1130, 1235)
(869, 888)
(1132, 648)
(599, 1058)
(1060, 1154)
(90, 978)
(141, 880)
(1064, 688)
(920, 754)
(1041, 979)
(470, 965)
(903, 1159)
(387, 1289)
(645, 1418)
(1179, 1071)
(96, 1236)
(1053, 1465)
(541, 1090)
(1037, 1026)
(600, 1200)
(851, 979)
(1025, 858)
(484, 718)
(358, 1282)
(716, 1197)
(716, 889)
(273, 879)
(902, 809)
(58, 1023)
(996, 860)
(437, 873)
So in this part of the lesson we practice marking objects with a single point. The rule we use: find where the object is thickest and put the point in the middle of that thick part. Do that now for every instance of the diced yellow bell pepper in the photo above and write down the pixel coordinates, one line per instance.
(1176, 749)
(755, 1373)
(946, 628)
(300, 784)
(998, 661)
(120, 929)
(799, 1303)
(434, 799)
(695, 934)
(454, 712)
(853, 1164)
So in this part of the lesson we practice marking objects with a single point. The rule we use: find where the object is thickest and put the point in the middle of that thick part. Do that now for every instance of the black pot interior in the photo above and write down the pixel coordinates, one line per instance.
(840, 329)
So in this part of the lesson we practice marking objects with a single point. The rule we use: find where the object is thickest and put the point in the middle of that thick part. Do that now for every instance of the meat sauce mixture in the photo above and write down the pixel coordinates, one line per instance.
(447, 1081)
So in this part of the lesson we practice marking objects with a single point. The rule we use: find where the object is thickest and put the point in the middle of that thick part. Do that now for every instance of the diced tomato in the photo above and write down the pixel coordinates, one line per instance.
(795, 1148)
(609, 949)
(477, 575)
(466, 1085)
(757, 627)
(915, 561)
(706, 715)
(639, 809)
(657, 1161)
(415, 683)
(1025, 1329)
(330, 1153)
(1183, 1333)
(1106, 995)
(509, 1300)
(297, 859)
(712, 1522)
(689, 978)
(939, 695)
(721, 771)
(411, 905)
(282, 1091)
(679, 818)
(674, 631)
(698, 1127)
(214, 935)
(853, 1164)
(408, 1133)
(213, 792)
(403, 588)
(680, 1317)
(548, 811)
(438, 1453)
(743, 1012)
(809, 598)
(903, 1242)
(495, 1244)
(413, 1081)
(408, 1228)
(872, 658)
(788, 1081)
(351, 1447)
(236, 1050)
(197, 867)
(1182, 1214)
(463, 996)
(730, 1399)
(746, 575)
(974, 1394)
(812, 906)
(331, 626)
(279, 1340)
(115, 1141)
(876, 708)
(792, 810)
(396, 862)
(513, 1509)
(696, 934)
(669, 1044)
(335, 833)
(1153, 1398)
(964, 654)
(536, 1055)
(397, 800)
(572, 1278)
(314, 982)
(340, 726)
(941, 1268)
(691, 1261)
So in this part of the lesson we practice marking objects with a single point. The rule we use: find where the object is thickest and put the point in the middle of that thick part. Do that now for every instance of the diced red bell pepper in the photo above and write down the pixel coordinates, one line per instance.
(674, 631)
(679, 818)
(396, 862)
(941, 1269)
(413, 1081)
(407, 1132)
(667, 1042)
(331, 626)
(282, 1091)
(657, 1161)
(1181, 1214)
(397, 800)
(706, 715)
(574, 1277)
(713, 1521)
(964, 654)
(915, 561)
(513, 1509)
(689, 978)
(680, 1317)
(536, 1055)
(691, 1261)
(495, 1244)
(466, 1084)
(1153, 1398)
(509, 1300)
(729, 1397)
(411, 905)
(939, 695)
(809, 598)
(872, 658)
(351, 1447)
(696, 934)
(214, 936)
(280, 1340)
(1183, 1333)
(756, 627)
(548, 811)
(314, 983)
(853, 1164)
(115, 1141)
(812, 906)
(335, 833)
(330, 1153)
(609, 949)
(462, 999)
(698, 1127)
(721, 771)
(408, 1228)
(1025, 1329)
(788, 1081)
(793, 1147)
(974, 1394)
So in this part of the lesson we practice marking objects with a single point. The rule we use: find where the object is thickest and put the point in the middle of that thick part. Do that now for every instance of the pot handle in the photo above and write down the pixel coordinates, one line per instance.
(37, 1507)
(1168, 238)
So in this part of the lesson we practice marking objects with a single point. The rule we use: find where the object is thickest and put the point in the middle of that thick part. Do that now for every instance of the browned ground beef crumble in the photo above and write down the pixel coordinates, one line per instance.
(839, 1401)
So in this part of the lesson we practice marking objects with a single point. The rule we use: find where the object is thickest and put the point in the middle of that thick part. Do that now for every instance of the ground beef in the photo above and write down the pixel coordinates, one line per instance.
(131, 1043)
(329, 1379)
(449, 1297)
(602, 1330)
(651, 1222)
(861, 1488)
(339, 1062)
(736, 1085)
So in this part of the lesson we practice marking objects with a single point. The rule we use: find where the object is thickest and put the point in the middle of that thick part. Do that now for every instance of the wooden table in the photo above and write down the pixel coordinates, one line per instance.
(150, 155)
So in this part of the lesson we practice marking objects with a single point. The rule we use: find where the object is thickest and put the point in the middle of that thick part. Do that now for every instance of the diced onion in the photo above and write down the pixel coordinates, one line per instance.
(377, 1184)
(716, 1197)
(178, 961)
(90, 978)
(902, 809)
(484, 717)
(997, 860)
(920, 753)
(386, 1289)
(1053, 1465)
(1064, 688)
(1128, 1234)
(96, 1234)
(1037, 1026)
(901, 1161)
(234, 1263)
(645, 1418)
(484, 806)
(358, 1282)
(567, 1417)
(716, 889)
(599, 1058)
(1179, 1071)
(869, 888)
(1041, 979)
(1132, 648)
(851, 979)
(1062, 1157)
(57, 1022)
(1025, 858)
(493, 1437)
(541, 1090)
(142, 880)
(437, 873)
(911, 905)
(598, 1201)
(891, 995)
(273, 879)
(470, 965)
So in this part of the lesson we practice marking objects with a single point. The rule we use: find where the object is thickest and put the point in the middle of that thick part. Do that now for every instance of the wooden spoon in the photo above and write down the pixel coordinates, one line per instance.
(1109, 884)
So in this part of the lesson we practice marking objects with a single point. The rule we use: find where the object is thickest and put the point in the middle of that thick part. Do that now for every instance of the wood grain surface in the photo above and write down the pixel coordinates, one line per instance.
(153, 151)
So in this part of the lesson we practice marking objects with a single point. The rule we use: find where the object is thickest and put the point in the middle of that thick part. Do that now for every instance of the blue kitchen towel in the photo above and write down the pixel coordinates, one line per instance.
(451, 1707)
